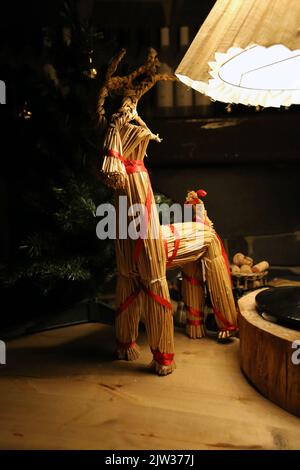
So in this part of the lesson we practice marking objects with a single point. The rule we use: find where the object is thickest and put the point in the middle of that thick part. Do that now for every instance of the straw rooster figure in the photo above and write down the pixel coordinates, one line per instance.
(142, 262)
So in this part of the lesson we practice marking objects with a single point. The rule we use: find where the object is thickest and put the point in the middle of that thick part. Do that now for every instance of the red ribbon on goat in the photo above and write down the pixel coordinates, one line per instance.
(130, 344)
(222, 319)
(135, 166)
(139, 242)
(164, 359)
(127, 302)
(176, 245)
(194, 322)
(192, 280)
(116, 154)
(193, 311)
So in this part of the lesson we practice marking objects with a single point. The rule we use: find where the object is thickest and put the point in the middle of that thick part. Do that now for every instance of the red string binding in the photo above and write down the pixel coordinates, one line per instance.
(163, 359)
(131, 344)
(158, 298)
(225, 257)
(194, 322)
(194, 311)
(176, 245)
(192, 280)
(114, 153)
(127, 302)
(222, 319)
(224, 254)
(166, 248)
(139, 242)
(133, 166)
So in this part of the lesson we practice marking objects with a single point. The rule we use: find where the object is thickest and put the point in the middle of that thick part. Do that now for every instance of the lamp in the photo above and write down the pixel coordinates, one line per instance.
(248, 52)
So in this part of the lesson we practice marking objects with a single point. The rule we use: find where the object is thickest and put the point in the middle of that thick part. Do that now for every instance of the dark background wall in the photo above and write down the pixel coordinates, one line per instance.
(251, 174)
(247, 161)
(248, 165)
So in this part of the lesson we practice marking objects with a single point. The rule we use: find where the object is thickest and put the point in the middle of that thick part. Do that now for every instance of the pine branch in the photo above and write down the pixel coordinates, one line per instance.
(49, 270)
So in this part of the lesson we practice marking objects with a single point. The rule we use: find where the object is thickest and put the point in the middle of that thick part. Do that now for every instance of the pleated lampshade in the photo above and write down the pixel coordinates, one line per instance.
(247, 51)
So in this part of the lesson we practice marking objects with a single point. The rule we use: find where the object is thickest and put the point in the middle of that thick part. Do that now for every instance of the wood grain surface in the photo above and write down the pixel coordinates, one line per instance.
(62, 389)
(266, 356)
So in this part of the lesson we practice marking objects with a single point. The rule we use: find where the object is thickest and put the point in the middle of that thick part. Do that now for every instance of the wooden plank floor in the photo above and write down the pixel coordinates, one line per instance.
(61, 389)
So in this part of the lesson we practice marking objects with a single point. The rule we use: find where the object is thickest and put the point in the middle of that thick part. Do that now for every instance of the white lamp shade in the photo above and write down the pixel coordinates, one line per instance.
(247, 51)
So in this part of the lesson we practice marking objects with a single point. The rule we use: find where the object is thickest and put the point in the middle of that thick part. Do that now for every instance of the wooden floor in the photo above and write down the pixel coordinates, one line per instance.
(62, 389)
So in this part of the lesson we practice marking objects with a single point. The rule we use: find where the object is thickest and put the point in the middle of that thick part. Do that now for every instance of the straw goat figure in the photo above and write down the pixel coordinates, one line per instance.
(142, 261)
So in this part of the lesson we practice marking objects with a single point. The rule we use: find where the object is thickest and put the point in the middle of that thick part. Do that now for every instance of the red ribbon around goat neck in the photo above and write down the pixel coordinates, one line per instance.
(132, 166)
(136, 166)
(116, 154)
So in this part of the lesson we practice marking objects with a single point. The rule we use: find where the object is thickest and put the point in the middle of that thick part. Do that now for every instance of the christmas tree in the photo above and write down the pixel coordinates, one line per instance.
(54, 178)
(55, 63)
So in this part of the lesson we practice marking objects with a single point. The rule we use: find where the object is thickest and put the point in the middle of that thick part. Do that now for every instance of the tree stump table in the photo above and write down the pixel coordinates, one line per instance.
(269, 356)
